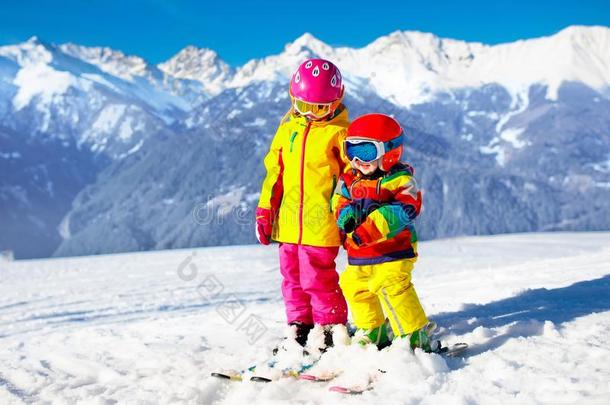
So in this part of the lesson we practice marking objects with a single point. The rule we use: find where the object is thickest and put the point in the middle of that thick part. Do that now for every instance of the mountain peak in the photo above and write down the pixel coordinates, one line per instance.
(194, 52)
(107, 59)
(585, 30)
(33, 40)
(307, 42)
(199, 64)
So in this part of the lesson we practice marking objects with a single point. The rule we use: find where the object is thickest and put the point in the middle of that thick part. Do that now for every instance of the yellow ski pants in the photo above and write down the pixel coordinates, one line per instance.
(372, 289)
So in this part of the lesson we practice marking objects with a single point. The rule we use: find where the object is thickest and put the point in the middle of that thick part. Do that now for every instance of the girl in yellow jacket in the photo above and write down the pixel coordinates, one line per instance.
(303, 166)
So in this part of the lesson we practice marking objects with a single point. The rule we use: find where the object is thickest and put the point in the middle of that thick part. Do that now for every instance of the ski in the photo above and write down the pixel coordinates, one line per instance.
(319, 378)
(235, 375)
(454, 350)
(285, 373)
(355, 390)
(228, 375)
(238, 375)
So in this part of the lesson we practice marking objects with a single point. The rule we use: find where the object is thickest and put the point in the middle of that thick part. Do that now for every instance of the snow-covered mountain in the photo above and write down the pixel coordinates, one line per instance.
(202, 65)
(151, 327)
(97, 97)
(65, 112)
(409, 67)
(504, 138)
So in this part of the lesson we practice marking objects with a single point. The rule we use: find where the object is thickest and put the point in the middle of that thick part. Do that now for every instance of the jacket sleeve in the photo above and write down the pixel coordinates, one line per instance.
(273, 189)
(344, 165)
(340, 198)
(390, 219)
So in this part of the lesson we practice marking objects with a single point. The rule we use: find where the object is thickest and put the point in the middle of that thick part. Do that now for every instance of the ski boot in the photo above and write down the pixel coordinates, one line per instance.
(377, 336)
(323, 337)
(421, 339)
(296, 335)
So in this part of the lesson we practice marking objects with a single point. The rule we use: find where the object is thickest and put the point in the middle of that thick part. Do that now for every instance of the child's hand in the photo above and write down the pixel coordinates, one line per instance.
(264, 225)
(347, 219)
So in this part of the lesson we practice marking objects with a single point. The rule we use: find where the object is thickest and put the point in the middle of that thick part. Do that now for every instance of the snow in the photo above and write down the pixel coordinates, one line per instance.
(511, 135)
(108, 117)
(108, 60)
(10, 155)
(495, 148)
(150, 327)
(126, 130)
(410, 67)
(203, 65)
(406, 68)
(133, 150)
(64, 228)
(40, 80)
(100, 80)
(41, 74)
(258, 122)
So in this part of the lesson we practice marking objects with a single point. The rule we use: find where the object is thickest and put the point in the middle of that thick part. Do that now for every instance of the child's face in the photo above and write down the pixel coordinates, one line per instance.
(365, 168)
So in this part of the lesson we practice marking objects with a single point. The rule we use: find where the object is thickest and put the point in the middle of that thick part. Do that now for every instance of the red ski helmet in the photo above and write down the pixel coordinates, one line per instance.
(385, 135)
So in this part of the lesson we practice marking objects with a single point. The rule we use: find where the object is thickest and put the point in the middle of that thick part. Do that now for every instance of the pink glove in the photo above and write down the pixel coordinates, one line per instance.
(264, 225)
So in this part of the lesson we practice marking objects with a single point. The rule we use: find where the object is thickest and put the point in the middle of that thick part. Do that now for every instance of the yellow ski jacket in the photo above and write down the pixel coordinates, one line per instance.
(303, 166)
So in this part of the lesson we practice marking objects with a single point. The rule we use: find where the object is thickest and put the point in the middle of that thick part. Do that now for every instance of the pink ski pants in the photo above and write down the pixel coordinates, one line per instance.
(311, 285)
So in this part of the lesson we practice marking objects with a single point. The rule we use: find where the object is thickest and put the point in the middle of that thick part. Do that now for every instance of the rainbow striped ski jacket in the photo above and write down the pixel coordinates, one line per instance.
(383, 207)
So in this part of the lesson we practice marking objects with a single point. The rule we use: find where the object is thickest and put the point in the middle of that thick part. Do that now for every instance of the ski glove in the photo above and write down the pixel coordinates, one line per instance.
(264, 225)
(347, 219)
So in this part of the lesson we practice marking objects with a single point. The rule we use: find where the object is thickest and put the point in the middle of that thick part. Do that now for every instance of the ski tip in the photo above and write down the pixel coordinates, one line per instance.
(308, 377)
(349, 391)
(454, 350)
(260, 379)
(340, 390)
(226, 376)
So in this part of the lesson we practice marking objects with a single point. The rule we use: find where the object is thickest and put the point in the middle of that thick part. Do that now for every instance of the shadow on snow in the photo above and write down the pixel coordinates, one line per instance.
(525, 314)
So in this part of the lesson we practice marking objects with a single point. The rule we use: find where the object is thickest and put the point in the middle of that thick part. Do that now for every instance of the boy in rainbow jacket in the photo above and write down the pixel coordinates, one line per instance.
(303, 166)
(375, 205)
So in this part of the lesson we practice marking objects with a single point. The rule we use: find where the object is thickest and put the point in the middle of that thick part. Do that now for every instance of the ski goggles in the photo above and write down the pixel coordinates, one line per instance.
(368, 150)
(310, 109)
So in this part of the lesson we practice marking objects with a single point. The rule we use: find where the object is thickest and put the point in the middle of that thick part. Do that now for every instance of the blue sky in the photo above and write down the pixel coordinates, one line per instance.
(242, 30)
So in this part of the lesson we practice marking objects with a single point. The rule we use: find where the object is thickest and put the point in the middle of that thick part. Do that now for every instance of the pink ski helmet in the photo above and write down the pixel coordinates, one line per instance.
(317, 81)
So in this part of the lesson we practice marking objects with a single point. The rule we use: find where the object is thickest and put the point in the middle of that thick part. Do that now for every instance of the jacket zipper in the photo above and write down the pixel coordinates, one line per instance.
(332, 192)
(351, 187)
(302, 197)
(294, 134)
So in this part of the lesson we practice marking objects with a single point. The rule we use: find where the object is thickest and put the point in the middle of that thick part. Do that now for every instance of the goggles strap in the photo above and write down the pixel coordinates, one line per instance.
(393, 143)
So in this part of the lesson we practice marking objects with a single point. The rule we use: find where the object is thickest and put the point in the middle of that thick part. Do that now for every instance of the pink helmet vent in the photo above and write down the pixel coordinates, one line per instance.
(333, 81)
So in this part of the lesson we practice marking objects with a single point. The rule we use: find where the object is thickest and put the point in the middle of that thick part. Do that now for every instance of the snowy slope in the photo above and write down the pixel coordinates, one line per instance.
(149, 327)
